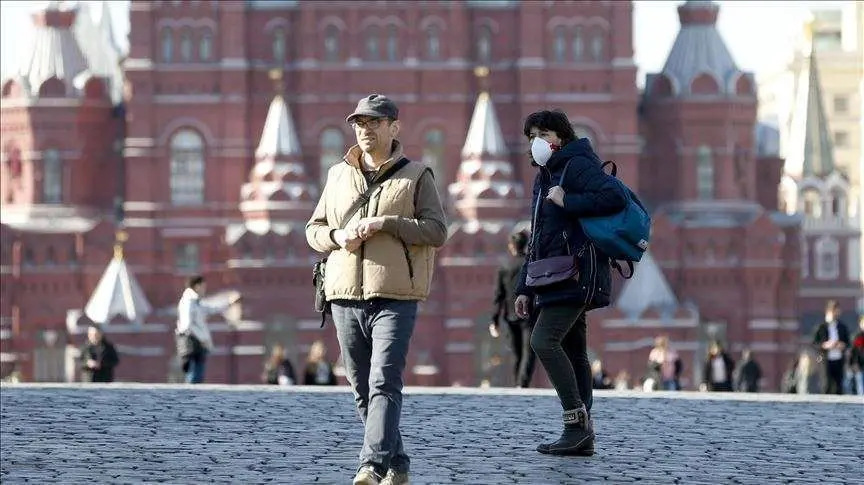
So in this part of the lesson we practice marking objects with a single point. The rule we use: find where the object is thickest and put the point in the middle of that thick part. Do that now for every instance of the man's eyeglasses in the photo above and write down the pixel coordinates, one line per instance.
(373, 123)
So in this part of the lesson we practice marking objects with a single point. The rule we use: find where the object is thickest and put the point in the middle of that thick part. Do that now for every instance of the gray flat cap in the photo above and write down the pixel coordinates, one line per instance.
(376, 106)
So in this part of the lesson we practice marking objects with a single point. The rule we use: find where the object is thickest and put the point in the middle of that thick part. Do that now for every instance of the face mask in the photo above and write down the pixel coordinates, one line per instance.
(541, 151)
(829, 317)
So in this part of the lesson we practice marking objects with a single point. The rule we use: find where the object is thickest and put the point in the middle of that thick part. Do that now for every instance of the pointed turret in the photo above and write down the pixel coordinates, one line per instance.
(118, 294)
(818, 148)
(485, 186)
(279, 195)
(648, 289)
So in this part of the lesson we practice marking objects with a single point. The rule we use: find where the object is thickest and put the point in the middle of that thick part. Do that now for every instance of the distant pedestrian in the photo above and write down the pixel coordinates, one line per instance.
(194, 342)
(831, 340)
(99, 357)
(504, 309)
(278, 369)
(664, 365)
(318, 371)
(807, 376)
(856, 358)
(718, 372)
(599, 378)
(748, 374)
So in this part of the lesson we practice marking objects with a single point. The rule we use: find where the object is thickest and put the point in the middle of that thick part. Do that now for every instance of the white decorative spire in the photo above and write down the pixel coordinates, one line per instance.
(647, 289)
(279, 137)
(118, 293)
(484, 132)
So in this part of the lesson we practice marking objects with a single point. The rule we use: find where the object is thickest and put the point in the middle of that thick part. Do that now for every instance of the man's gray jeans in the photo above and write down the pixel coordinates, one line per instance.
(374, 337)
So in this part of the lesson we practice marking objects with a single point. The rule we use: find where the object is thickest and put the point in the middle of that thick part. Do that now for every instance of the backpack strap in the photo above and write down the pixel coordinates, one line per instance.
(615, 264)
(366, 196)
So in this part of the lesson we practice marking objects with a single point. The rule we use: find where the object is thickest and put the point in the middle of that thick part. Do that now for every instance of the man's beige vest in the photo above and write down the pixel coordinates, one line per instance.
(384, 266)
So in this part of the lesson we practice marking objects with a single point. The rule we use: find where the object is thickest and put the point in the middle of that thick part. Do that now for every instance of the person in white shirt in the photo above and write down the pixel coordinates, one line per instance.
(194, 341)
(831, 340)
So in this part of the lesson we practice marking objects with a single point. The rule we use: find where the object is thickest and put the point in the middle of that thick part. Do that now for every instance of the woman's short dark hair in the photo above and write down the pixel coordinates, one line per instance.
(519, 241)
(550, 120)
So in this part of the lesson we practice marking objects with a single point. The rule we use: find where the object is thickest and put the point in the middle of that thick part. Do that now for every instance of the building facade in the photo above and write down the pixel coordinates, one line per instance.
(231, 112)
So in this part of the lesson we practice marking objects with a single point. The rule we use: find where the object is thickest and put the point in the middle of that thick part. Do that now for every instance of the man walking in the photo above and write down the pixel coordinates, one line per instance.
(831, 340)
(504, 308)
(194, 342)
(380, 264)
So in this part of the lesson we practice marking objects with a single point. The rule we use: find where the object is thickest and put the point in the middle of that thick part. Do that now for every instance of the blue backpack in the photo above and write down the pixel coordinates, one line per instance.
(623, 236)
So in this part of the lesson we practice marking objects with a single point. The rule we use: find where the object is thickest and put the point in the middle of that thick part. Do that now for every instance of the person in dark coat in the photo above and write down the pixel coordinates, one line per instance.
(560, 332)
(831, 340)
(505, 298)
(318, 371)
(748, 374)
(278, 369)
(98, 357)
(718, 371)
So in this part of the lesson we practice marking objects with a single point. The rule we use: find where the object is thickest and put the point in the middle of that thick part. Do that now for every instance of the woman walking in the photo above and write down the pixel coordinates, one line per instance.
(570, 184)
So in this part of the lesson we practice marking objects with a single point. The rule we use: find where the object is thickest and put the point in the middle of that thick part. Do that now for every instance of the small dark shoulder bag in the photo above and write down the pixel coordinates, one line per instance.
(548, 271)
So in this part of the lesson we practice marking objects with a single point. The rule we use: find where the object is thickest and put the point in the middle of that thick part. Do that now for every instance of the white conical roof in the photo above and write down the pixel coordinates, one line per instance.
(117, 294)
(647, 289)
(484, 132)
(279, 137)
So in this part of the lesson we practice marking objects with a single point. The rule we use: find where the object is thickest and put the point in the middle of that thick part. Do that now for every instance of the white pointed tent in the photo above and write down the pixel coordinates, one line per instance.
(647, 289)
(117, 294)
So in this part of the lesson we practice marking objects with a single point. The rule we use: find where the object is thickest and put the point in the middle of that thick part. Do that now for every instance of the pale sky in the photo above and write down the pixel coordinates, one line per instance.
(758, 33)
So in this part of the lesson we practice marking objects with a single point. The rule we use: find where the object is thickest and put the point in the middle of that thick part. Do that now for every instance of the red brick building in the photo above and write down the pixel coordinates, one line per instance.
(211, 146)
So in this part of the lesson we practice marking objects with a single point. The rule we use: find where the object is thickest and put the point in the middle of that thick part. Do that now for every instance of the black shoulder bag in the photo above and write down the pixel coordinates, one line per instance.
(322, 306)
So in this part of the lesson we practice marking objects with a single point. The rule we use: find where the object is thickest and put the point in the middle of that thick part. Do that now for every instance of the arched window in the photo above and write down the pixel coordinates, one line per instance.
(559, 43)
(167, 45)
(838, 203)
(187, 168)
(373, 49)
(331, 43)
(805, 257)
(597, 46)
(433, 43)
(52, 177)
(332, 150)
(812, 203)
(433, 155)
(827, 258)
(704, 173)
(278, 46)
(392, 43)
(205, 46)
(578, 45)
(484, 44)
(186, 45)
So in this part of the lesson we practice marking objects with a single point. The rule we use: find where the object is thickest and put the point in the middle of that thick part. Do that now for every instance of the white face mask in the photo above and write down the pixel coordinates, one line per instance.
(829, 317)
(541, 151)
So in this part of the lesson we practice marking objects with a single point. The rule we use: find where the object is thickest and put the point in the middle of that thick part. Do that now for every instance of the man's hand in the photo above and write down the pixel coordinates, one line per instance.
(347, 239)
(92, 364)
(523, 306)
(368, 226)
(829, 344)
(493, 330)
(556, 195)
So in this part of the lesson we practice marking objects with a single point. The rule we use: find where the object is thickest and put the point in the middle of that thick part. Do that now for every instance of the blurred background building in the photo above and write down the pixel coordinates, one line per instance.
(203, 149)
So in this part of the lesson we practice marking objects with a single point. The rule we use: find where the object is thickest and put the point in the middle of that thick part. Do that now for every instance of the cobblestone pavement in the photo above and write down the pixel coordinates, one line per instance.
(219, 434)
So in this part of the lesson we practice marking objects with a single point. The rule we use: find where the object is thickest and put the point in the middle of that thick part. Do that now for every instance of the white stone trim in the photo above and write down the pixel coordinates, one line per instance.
(458, 323)
(772, 324)
(651, 323)
(459, 347)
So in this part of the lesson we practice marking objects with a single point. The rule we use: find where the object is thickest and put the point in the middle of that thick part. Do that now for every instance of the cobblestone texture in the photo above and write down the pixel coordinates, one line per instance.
(150, 434)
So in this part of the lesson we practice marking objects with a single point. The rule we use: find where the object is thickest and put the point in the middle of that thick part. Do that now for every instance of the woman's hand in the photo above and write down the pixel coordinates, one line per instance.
(523, 306)
(556, 196)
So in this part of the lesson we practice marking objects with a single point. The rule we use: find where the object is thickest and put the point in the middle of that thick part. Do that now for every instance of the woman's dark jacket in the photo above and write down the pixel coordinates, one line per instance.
(590, 192)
